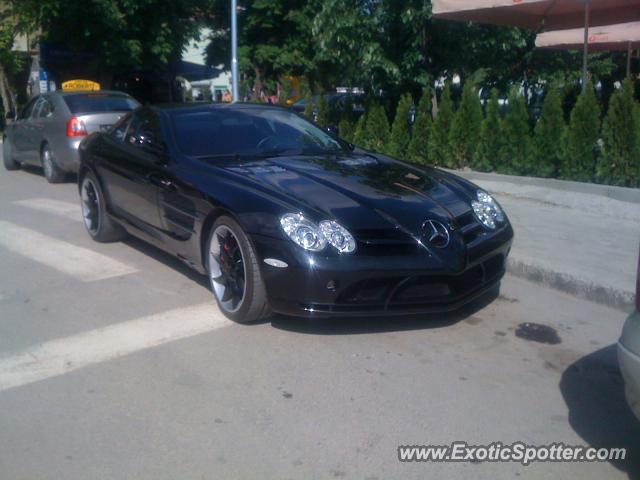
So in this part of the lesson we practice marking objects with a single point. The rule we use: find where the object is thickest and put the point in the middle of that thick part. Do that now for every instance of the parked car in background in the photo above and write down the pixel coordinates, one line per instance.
(629, 353)
(336, 103)
(284, 217)
(50, 127)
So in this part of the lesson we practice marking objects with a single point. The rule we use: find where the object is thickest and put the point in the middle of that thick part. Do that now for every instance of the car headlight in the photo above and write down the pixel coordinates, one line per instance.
(487, 210)
(303, 232)
(314, 237)
(338, 236)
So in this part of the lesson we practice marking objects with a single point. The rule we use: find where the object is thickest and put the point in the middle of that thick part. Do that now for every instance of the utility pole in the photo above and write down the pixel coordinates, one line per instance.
(585, 55)
(234, 50)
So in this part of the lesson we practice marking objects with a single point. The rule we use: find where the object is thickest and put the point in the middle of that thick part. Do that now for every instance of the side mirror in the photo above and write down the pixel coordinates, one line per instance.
(333, 130)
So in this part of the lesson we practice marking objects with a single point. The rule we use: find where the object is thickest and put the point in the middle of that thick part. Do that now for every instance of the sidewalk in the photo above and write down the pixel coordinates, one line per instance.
(574, 238)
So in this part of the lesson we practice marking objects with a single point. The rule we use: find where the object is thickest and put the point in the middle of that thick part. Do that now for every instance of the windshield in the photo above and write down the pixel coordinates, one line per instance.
(250, 132)
(99, 103)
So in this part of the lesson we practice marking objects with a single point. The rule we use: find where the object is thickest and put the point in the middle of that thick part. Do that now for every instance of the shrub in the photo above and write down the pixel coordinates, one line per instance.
(515, 149)
(359, 133)
(548, 136)
(439, 147)
(377, 129)
(579, 156)
(488, 150)
(465, 128)
(324, 114)
(418, 150)
(346, 130)
(308, 106)
(620, 161)
(400, 136)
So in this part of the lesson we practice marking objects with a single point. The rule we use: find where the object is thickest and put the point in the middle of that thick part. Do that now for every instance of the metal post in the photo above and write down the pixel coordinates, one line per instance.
(629, 52)
(234, 50)
(585, 57)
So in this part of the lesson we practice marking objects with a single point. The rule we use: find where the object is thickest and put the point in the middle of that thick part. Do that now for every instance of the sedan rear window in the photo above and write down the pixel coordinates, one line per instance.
(99, 102)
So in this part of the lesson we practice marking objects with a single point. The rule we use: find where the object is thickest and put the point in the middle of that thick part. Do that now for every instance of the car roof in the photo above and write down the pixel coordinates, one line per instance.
(199, 107)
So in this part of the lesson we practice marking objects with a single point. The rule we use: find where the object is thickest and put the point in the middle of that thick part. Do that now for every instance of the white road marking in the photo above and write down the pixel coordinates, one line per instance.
(64, 355)
(67, 210)
(81, 263)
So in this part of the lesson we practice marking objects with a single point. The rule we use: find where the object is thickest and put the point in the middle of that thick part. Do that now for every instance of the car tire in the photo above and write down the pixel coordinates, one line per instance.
(94, 212)
(239, 289)
(52, 172)
(7, 156)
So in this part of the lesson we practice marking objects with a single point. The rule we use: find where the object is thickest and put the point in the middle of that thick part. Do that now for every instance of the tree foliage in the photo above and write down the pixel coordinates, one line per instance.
(516, 142)
(439, 146)
(418, 150)
(490, 139)
(400, 135)
(465, 128)
(579, 156)
(376, 130)
(548, 136)
(620, 162)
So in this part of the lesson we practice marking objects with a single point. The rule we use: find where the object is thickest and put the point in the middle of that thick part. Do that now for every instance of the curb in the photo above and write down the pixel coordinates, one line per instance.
(622, 194)
(611, 297)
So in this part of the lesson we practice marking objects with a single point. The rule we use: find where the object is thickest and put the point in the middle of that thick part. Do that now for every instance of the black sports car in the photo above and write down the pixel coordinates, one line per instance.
(284, 217)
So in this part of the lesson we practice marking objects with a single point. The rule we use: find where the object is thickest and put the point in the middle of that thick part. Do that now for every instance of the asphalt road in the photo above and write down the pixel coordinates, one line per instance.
(116, 364)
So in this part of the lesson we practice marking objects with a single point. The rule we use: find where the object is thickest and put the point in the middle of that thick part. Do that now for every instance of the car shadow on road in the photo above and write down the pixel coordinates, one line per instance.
(593, 390)
(360, 325)
(38, 172)
(167, 259)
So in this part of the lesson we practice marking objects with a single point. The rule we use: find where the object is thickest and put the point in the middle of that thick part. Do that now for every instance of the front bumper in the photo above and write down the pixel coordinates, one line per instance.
(359, 285)
(629, 360)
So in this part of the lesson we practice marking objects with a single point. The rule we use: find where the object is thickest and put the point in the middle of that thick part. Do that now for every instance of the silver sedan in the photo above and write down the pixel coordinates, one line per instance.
(50, 127)
(629, 354)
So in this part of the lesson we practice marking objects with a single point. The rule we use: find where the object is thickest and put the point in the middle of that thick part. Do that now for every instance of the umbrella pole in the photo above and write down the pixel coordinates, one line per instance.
(585, 55)
(629, 50)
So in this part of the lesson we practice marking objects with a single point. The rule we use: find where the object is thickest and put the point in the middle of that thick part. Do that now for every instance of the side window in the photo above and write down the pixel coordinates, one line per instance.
(119, 130)
(46, 109)
(26, 111)
(144, 131)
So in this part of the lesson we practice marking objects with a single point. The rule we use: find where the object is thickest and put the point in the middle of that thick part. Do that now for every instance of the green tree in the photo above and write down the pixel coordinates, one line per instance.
(377, 129)
(465, 128)
(620, 161)
(548, 136)
(346, 125)
(122, 33)
(276, 39)
(360, 133)
(418, 150)
(400, 135)
(439, 146)
(490, 140)
(323, 118)
(308, 106)
(579, 156)
(516, 145)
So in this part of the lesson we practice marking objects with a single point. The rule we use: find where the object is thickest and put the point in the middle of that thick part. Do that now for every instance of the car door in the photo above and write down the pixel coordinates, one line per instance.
(22, 149)
(130, 164)
(41, 118)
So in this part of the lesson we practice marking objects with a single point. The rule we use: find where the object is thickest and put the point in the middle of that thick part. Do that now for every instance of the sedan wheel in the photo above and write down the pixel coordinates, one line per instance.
(235, 277)
(52, 172)
(7, 156)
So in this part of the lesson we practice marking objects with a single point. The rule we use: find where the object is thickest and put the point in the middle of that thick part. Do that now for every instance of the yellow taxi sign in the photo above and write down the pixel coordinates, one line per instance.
(83, 85)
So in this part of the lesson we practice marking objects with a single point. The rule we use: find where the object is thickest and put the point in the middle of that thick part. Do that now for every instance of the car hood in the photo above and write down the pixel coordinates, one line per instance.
(364, 191)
